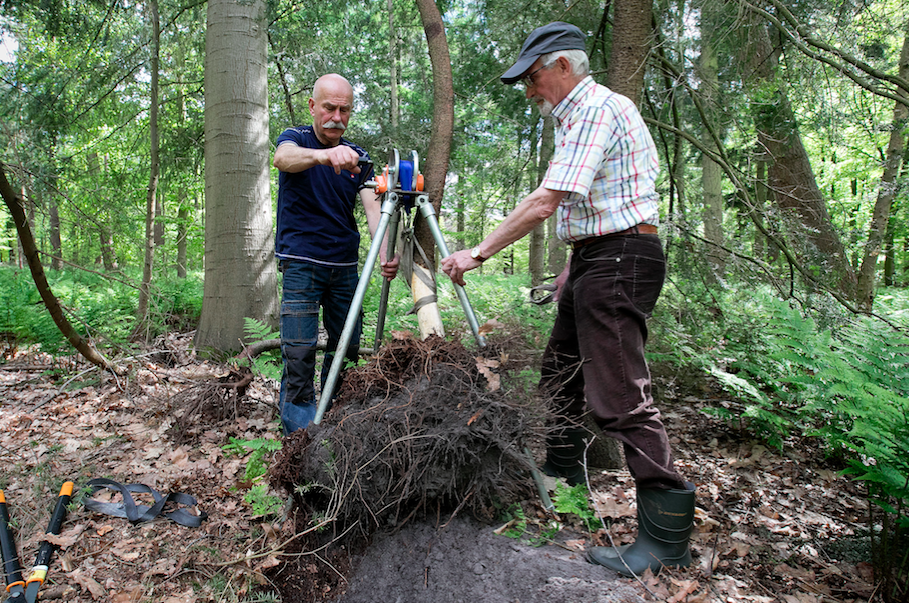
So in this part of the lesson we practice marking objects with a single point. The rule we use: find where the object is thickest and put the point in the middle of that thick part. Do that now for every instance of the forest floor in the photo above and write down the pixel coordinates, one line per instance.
(770, 525)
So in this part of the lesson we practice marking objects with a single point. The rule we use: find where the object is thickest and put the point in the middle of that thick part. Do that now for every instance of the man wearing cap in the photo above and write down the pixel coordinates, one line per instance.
(601, 180)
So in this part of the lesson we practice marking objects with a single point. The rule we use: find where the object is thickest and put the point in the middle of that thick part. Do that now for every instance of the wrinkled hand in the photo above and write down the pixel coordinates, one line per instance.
(559, 282)
(457, 264)
(341, 157)
(390, 267)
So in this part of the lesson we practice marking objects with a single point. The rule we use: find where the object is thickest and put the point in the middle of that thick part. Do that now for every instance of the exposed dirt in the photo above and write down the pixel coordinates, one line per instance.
(771, 526)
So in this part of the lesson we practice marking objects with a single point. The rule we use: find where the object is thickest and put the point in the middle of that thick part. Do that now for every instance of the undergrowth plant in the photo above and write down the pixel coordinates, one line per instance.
(260, 451)
(575, 500)
(100, 308)
(269, 363)
(800, 370)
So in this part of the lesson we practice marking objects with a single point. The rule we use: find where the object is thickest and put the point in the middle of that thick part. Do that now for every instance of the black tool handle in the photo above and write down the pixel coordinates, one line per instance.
(46, 550)
(11, 568)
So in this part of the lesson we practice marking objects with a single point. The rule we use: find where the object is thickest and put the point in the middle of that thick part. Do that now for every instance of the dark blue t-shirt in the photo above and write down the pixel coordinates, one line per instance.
(316, 207)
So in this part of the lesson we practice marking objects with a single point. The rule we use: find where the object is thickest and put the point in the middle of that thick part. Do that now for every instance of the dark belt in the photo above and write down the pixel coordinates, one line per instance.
(638, 229)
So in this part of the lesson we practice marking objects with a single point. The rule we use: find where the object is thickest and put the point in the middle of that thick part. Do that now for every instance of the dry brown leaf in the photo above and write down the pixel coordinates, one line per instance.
(127, 596)
(270, 561)
(163, 567)
(493, 381)
(475, 416)
(612, 505)
(67, 538)
(88, 583)
(686, 587)
(489, 326)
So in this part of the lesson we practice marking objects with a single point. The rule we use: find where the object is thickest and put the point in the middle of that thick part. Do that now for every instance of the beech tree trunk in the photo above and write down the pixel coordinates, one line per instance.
(240, 270)
(711, 172)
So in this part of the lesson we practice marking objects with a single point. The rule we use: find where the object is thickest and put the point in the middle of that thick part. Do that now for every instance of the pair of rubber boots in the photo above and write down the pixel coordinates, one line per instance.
(665, 517)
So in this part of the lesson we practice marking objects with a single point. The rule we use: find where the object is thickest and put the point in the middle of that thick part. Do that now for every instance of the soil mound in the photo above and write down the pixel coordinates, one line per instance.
(464, 561)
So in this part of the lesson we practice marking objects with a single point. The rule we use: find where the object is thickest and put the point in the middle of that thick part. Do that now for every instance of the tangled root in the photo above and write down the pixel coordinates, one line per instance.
(420, 428)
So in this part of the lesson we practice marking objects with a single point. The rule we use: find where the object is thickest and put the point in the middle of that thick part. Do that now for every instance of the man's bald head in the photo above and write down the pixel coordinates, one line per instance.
(331, 105)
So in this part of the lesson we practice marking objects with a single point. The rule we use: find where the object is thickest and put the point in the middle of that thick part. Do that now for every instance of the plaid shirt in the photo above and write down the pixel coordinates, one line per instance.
(605, 161)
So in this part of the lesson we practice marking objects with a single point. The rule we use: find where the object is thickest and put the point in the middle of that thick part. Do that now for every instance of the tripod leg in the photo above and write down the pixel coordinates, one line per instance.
(389, 207)
(386, 284)
(429, 213)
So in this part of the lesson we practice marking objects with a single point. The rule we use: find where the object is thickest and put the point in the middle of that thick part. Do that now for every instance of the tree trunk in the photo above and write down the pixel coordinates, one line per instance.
(435, 166)
(557, 251)
(881, 214)
(56, 241)
(537, 251)
(631, 33)
(240, 271)
(711, 173)
(105, 237)
(30, 251)
(393, 69)
(142, 310)
(790, 177)
(182, 233)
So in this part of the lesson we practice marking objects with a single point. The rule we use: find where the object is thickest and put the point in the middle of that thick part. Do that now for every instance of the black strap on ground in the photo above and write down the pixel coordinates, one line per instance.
(128, 509)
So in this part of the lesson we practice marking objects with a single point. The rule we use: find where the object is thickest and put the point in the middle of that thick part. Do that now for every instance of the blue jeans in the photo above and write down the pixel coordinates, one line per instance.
(595, 355)
(308, 287)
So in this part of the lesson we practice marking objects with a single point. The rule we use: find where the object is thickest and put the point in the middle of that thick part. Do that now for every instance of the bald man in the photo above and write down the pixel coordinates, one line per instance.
(317, 241)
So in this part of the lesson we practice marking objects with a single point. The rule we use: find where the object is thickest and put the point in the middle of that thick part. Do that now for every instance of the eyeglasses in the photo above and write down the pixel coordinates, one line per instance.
(528, 79)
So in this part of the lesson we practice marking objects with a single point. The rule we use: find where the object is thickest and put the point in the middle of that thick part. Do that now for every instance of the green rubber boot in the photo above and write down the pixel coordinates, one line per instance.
(665, 521)
(565, 454)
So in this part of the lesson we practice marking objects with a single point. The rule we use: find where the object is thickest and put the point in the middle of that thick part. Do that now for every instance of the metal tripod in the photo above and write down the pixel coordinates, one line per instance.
(401, 185)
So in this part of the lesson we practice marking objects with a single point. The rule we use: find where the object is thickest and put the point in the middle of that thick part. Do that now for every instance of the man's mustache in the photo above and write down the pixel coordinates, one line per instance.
(334, 125)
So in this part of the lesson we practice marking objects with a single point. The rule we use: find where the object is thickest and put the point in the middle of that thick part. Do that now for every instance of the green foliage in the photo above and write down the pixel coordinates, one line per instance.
(810, 370)
(516, 520)
(22, 314)
(260, 451)
(531, 531)
(176, 303)
(575, 500)
(262, 502)
(268, 364)
(260, 448)
(101, 308)
(97, 308)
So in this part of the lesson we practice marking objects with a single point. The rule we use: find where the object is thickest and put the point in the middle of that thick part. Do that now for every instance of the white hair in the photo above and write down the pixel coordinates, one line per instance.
(580, 64)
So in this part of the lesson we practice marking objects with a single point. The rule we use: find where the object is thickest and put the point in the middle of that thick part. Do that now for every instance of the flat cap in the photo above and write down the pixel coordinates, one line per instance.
(548, 38)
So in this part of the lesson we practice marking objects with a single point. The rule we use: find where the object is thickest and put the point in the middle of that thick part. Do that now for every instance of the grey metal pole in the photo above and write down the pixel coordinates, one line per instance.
(388, 208)
(386, 284)
(429, 213)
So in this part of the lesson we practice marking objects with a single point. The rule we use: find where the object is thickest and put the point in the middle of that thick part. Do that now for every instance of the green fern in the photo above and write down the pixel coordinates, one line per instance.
(268, 364)
(262, 502)
(256, 330)
(256, 465)
(575, 500)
